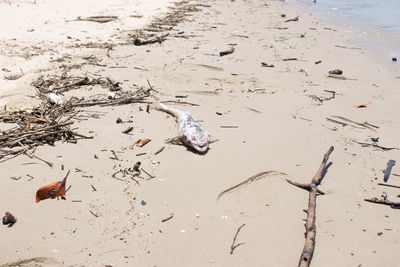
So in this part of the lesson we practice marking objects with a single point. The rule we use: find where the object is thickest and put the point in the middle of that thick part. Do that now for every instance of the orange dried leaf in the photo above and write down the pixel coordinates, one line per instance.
(52, 190)
(142, 142)
(363, 105)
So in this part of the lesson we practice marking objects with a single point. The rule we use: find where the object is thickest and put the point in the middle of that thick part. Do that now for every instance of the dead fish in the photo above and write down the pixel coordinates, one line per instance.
(191, 132)
(52, 190)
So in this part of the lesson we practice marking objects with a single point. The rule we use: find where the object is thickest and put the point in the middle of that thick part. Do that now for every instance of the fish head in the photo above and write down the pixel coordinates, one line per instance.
(198, 142)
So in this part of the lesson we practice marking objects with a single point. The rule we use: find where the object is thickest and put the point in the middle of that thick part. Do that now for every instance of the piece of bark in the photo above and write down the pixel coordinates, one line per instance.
(388, 170)
(227, 52)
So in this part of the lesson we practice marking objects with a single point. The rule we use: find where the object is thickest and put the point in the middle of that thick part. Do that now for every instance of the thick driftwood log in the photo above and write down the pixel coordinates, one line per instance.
(308, 250)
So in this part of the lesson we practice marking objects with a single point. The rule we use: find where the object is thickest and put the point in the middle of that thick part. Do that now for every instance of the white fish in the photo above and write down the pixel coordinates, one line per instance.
(191, 132)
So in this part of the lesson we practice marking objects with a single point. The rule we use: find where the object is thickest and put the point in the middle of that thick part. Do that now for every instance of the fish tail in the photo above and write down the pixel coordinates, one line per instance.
(164, 108)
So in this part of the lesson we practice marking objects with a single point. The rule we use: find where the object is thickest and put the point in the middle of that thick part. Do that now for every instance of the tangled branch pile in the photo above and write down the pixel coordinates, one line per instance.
(49, 123)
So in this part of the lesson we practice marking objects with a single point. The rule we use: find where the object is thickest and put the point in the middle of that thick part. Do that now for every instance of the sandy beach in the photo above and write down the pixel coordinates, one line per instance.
(269, 106)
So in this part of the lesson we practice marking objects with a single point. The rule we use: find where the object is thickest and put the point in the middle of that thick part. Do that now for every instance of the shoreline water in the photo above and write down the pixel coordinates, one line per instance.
(384, 39)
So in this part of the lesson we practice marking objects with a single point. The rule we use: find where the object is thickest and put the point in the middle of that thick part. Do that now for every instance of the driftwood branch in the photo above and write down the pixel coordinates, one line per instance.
(308, 250)
(394, 205)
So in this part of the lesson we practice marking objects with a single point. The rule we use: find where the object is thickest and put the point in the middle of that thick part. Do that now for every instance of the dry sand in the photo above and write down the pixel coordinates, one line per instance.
(280, 127)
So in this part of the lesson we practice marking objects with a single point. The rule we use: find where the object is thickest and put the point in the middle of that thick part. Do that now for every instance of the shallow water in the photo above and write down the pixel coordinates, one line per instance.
(372, 23)
(382, 14)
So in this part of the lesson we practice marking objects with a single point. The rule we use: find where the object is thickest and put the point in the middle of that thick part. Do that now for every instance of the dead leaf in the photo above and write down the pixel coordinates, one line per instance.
(52, 190)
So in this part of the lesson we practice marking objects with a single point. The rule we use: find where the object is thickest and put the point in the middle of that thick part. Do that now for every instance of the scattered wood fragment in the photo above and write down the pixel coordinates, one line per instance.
(308, 250)
(388, 170)
(241, 36)
(393, 205)
(344, 121)
(339, 77)
(115, 154)
(127, 130)
(94, 188)
(253, 178)
(159, 151)
(168, 218)
(34, 156)
(322, 99)
(98, 19)
(179, 103)
(294, 19)
(158, 39)
(348, 47)
(141, 154)
(13, 77)
(31, 177)
(289, 59)
(94, 214)
(151, 176)
(227, 52)
(233, 246)
(207, 67)
(263, 64)
(229, 126)
(252, 109)
(363, 144)
(389, 185)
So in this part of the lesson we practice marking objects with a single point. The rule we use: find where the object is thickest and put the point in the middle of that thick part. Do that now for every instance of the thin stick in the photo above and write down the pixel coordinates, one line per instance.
(229, 126)
(45, 161)
(389, 185)
(233, 246)
(395, 205)
(168, 218)
(115, 154)
(159, 151)
(151, 176)
(94, 214)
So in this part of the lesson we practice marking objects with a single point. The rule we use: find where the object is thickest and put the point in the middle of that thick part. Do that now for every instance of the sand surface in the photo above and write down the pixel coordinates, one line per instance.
(280, 124)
